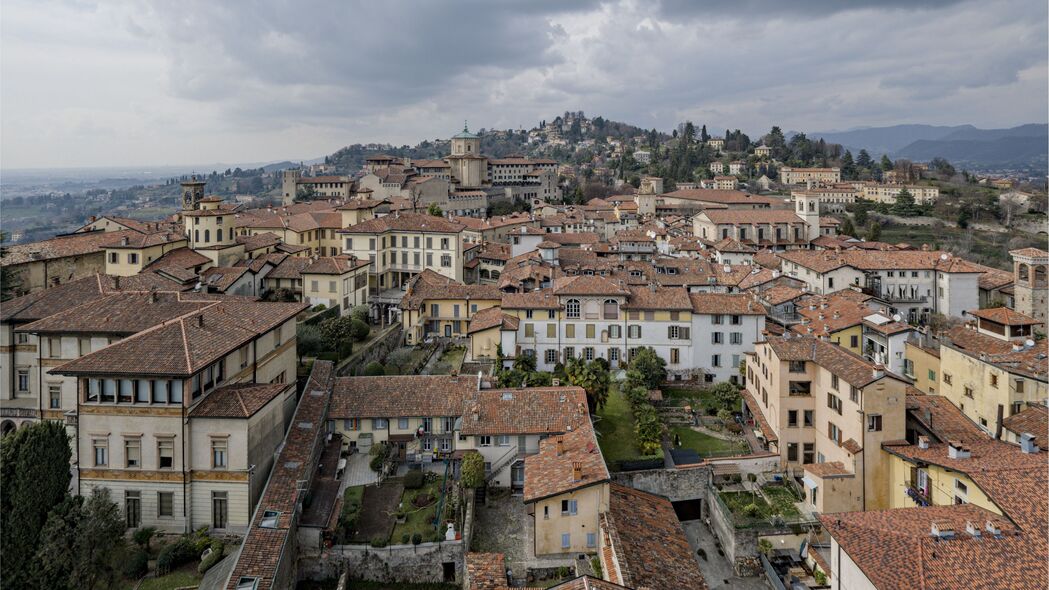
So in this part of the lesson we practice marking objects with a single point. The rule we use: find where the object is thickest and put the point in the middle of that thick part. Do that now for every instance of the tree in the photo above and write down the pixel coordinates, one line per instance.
(337, 331)
(863, 160)
(471, 473)
(592, 377)
(55, 560)
(847, 228)
(9, 280)
(886, 163)
(861, 214)
(374, 369)
(359, 330)
(905, 205)
(99, 542)
(874, 233)
(651, 367)
(34, 478)
(848, 167)
(435, 210)
(360, 312)
(964, 215)
(305, 193)
(309, 342)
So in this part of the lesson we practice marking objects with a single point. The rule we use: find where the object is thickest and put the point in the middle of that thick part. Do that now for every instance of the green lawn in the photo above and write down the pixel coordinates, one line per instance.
(697, 398)
(616, 429)
(418, 520)
(173, 580)
(783, 500)
(704, 444)
(452, 359)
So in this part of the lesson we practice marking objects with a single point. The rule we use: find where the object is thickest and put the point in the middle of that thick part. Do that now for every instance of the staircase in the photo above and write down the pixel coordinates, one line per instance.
(501, 462)
(480, 493)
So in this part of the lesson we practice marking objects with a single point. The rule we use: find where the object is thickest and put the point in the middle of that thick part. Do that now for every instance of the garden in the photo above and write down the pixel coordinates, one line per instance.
(333, 338)
(630, 429)
(752, 503)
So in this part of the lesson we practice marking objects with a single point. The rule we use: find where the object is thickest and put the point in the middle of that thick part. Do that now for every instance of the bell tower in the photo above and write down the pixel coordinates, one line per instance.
(192, 193)
(807, 208)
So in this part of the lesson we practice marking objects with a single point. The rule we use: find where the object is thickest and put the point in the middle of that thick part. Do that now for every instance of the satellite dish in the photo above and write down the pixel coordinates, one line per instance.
(896, 317)
(1029, 343)
(943, 257)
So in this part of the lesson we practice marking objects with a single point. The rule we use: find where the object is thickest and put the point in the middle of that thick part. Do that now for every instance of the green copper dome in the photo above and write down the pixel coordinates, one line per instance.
(465, 133)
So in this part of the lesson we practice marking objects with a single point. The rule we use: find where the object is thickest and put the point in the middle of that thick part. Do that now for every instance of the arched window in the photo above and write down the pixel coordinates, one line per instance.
(485, 274)
(1023, 272)
(495, 274)
(1040, 279)
(207, 236)
(611, 309)
(219, 234)
(572, 308)
(196, 235)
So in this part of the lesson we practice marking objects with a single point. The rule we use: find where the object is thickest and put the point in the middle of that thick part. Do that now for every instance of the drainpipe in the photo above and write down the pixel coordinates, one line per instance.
(185, 517)
(998, 425)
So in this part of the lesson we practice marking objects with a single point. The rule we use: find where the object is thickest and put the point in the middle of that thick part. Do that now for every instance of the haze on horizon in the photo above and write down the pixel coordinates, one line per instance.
(180, 83)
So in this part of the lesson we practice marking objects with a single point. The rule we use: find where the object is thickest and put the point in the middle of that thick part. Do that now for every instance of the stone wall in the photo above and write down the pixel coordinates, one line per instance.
(417, 564)
(676, 484)
(376, 350)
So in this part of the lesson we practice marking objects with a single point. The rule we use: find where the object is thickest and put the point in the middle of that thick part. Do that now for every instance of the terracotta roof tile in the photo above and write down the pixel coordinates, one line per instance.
(723, 303)
(1006, 316)
(401, 396)
(240, 400)
(416, 222)
(1033, 420)
(491, 317)
(485, 571)
(548, 473)
(77, 244)
(534, 410)
(42, 304)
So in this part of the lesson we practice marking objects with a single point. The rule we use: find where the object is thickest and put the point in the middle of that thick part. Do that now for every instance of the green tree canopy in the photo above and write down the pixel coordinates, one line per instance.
(435, 210)
(651, 367)
(592, 377)
(874, 233)
(471, 473)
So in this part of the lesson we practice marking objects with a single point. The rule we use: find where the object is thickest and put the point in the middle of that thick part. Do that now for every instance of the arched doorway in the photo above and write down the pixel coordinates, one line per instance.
(7, 427)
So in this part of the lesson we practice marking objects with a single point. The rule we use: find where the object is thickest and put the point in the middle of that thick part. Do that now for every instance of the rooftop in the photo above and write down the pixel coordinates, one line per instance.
(551, 471)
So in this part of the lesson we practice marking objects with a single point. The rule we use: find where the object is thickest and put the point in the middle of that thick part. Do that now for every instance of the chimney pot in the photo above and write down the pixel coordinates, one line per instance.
(923, 442)
(200, 320)
(577, 470)
(560, 445)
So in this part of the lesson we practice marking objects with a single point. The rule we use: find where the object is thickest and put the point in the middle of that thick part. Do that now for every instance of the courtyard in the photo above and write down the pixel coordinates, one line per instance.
(503, 525)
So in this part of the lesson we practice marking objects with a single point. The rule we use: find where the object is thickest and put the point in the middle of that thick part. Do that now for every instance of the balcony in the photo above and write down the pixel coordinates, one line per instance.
(917, 495)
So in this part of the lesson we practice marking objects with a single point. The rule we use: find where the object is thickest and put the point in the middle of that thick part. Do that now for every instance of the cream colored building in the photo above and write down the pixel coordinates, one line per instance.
(435, 305)
(887, 193)
(789, 175)
(132, 253)
(181, 421)
(210, 230)
(826, 412)
(336, 281)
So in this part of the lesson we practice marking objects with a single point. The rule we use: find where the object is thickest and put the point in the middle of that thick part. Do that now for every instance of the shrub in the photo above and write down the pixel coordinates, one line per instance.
(320, 307)
(595, 564)
(413, 480)
(175, 554)
(405, 538)
(143, 536)
(378, 541)
(374, 369)
(751, 510)
(471, 473)
(201, 540)
(137, 564)
(359, 330)
(417, 538)
(214, 557)
(821, 578)
(360, 312)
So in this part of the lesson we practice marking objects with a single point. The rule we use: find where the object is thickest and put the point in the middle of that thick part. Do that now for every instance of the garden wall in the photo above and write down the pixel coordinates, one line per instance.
(394, 564)
(675, 484)
(375, 350)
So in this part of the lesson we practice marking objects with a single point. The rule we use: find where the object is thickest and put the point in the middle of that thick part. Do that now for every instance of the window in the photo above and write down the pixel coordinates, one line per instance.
(502, 440)
(444, 243)
(874, 423)
(551, 330)
(736, 338)
(566, 540)
(792, 452)
(854, 341)
(446, 260)
(717, 320)
(994, 381)
(737, 320)
(529, 330)
(101, 447)
(854, 394)
(572, 308)
(165, 504)
(807, 452)
(968, 392)
(947, 378)
(114, 258)
(219, 446)
(484, 441)
(675, 356)
(834, 382)
(550, 356)
(615, 331)
(613, 354)
(591, 539)
(426, 424)
(834, 403)
(715, 360)
(800, 388)
(132, 258)
(380, 424)
(54, 347)
(717, 337)
(932, 375)
(792, 418)
(569, 507)
(133, 452)
(591, 331)
(588, 353)
(54, 395)
(633, 331)
(165, 453)
(23, 380)
(528, 313)
(569, 352)
(807, 416)
(132, 509)
(219, 509)
(960, 486)
(834, 433)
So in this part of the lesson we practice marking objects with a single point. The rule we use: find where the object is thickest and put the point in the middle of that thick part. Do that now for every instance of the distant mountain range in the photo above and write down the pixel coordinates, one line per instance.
(1025, 146)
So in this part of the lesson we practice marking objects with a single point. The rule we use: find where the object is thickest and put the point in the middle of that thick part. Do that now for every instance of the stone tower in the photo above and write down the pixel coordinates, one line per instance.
(468, 167)
(192, 193)
(1030, 284)
(290, 185)
(808, 209)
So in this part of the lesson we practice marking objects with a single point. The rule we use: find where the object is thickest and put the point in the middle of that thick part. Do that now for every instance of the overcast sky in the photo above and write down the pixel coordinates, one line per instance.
(188, 82)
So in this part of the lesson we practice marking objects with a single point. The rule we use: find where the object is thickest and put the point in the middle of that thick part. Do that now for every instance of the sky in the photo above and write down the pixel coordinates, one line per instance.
(146, 83)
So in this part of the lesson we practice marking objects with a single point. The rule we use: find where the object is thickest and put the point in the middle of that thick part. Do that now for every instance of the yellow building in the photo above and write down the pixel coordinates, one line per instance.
(486, 332)
(566, 486)
(788, 175)
(131, 253)
(435, 305)
(989, 378)
(335, 281)
(922, 363)
(826, 411)
(211, 232)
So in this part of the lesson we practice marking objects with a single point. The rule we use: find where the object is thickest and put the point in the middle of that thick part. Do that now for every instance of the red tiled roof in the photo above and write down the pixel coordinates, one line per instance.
(491, 317)
(533, 410)
(548, 473)
(414, 222)
(240, 400)
(485, 571)
(401, 396)
(1006, 316)
(648, 542)
(1032, 420)
(77, 244)
(723, 303)
(42, 304)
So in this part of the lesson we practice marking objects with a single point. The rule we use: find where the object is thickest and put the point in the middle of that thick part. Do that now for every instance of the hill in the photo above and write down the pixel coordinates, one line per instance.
(1004, 152)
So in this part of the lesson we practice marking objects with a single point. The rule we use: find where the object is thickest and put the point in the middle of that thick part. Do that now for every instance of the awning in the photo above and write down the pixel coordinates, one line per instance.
(809, 483)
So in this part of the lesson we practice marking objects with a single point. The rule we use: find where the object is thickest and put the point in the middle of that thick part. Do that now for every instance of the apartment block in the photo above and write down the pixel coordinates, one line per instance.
(790, 175)
(826, 411)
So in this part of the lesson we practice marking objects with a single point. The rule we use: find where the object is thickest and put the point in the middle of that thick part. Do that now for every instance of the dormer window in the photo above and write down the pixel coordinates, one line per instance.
(269, 520)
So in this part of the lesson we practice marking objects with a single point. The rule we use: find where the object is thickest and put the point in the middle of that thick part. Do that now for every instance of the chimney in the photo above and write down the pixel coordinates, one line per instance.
(116, 282)
(577, 470)
(560, 440)
(993, 529)
(955, 450)
(878, 371)
(972, 529)
(923, 441)
(942, 530)
(152, 296)
(1027, 443)
(200, 320)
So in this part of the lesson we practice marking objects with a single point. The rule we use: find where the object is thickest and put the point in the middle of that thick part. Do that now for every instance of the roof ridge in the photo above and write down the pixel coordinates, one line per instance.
(240, 399)
(185, 344)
